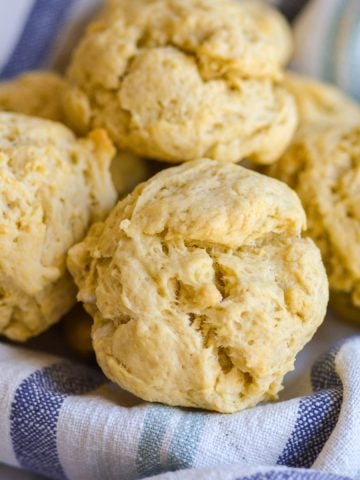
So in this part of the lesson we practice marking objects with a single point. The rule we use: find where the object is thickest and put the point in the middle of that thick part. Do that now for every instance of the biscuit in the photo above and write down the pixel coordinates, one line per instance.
(176, 80)
(323, 166)
(274, 26)
(321, 103)
(41, 94)
(201, 287)
(36, 93)
(52, 188)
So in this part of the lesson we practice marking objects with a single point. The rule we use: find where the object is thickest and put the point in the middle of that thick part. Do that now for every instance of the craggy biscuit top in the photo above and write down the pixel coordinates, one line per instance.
(323, 166)
(52, 187)
(179, 79)
(220, 35)
(37, 93)
(201, 287)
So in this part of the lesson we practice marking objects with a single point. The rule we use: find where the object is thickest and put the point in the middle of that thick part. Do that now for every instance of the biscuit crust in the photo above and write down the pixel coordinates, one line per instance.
(201, 287)
(176, 80)
(321, 103)
(37, 94)
(52, 188)
(323, 166)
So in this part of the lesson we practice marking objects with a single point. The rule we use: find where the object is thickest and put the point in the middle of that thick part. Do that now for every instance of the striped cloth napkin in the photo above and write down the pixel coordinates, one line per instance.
(66, 421)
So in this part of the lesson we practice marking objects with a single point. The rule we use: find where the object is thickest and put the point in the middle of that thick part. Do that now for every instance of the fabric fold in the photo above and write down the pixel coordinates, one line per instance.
(66, 421)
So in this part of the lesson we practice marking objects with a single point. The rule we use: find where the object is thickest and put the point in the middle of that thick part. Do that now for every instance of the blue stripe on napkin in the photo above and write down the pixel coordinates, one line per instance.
(317, 417)
(35, 412)
(38, 37)
(186, 439)
(148, 461)
(183, 445)
(291, 474)
(317, 414)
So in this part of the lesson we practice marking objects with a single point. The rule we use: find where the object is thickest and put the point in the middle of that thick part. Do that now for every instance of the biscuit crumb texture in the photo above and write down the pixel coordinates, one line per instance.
(52, 186)
(37, 93)
(201, 287)
(323, 166)
(176, 80)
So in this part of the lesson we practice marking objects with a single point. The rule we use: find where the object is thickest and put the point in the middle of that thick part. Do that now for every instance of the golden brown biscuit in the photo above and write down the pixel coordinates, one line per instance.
(321, 103)
(52, 187)
(323, 166)
(36, 93)
(201, 287)
(41, 94)
(273, 25)
(179, 79)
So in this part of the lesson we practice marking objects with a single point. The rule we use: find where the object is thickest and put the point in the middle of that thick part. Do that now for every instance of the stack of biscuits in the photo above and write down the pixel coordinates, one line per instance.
(121, 187)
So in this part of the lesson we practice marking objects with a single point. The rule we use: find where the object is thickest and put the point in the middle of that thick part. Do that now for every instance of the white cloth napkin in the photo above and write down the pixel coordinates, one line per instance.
(66, 421)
